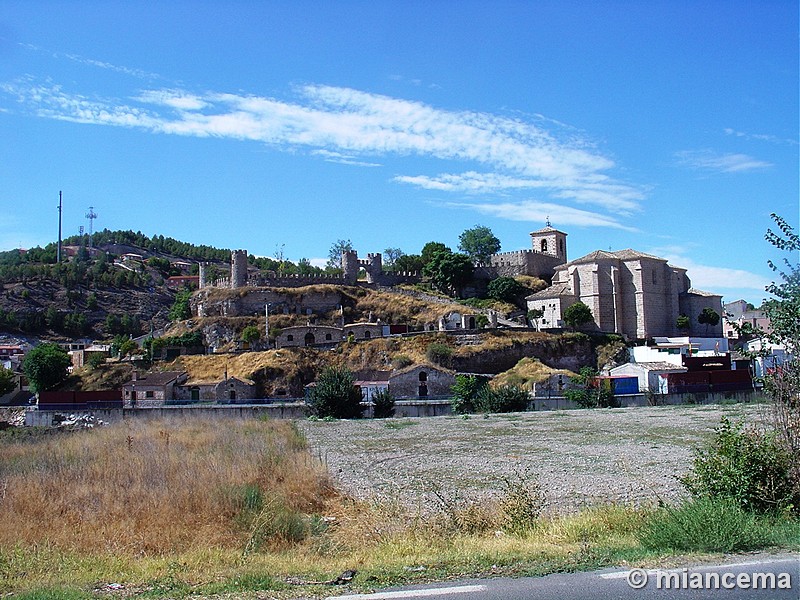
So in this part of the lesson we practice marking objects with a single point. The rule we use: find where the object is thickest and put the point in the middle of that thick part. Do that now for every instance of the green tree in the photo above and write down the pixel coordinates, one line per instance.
(467, 391)
(336, 395)
(431, 248)
(587, 392)
(479, 243)
(54, 318)
(96, 360)
(391, 256)
(46, 366)
(91, 301)
(7, 382)
(708, 317)
(783, 309)
(180, 310)
(505, 289)
(251, 334)
(449, 271)
(128, 348)
(683, 323)
(335, 253)
(578, 315)
(409, 263)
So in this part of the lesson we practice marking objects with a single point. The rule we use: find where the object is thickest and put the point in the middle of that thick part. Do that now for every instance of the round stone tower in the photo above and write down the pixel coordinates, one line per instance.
(238, 268)
(350, 266)
(201, 281)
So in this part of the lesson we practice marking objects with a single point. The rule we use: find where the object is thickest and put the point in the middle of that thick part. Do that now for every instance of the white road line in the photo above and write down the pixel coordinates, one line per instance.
(615, 575)
(623, 574)
(463, 589)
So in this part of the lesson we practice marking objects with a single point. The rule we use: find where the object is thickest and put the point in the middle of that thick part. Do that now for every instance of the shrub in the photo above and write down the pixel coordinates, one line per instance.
(439, 353)
(704, 524)
(382, 404)
(505, 289)
(251, 334)
(401, 361)
(587, 394)
(96, 360)
(506, 398)
(522, 502)
(336, 395)
(466, 393)
(748, 467)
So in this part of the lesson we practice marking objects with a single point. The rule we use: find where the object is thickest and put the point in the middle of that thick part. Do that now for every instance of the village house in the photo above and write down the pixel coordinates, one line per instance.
(227, 390)
(421, 381)
(371, 382)
(150, 390)
(739, 315)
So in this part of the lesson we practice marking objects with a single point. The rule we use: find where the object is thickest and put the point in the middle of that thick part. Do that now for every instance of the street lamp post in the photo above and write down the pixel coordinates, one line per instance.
(266, 325)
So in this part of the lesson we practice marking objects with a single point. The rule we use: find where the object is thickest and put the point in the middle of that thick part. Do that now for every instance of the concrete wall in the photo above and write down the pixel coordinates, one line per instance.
(403, 408)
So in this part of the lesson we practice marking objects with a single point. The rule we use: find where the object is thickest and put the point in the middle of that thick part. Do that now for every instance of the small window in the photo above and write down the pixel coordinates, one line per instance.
(328, 337)
(149, 394)
(367, 334)
(423, 376)
(290, 338)
(544, 245)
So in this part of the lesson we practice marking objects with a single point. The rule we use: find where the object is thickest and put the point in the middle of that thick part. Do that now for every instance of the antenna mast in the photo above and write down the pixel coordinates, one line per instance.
(91, 215)
(58, 258)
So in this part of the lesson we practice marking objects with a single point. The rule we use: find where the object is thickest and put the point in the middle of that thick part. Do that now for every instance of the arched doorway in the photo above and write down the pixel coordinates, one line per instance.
(309, 339)
(423, 383)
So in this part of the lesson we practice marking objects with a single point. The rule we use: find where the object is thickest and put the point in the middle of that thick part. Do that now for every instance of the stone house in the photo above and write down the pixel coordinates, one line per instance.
(371, 382)
(421, 381)
(308, 335)
(148, 390)
(230, 389)
(363, 331)
(630, 293)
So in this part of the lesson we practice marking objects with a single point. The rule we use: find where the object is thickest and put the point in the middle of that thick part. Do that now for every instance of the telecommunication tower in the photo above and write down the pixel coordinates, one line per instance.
(91, 215)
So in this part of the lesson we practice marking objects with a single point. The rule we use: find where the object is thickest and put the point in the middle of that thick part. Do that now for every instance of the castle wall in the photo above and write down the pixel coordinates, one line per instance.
(524, 262)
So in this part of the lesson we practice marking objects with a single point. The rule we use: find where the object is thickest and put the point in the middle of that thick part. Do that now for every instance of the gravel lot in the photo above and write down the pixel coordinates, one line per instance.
(582, 457)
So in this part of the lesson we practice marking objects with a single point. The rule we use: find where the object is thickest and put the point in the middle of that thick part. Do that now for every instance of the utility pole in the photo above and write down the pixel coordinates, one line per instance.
(58, 258)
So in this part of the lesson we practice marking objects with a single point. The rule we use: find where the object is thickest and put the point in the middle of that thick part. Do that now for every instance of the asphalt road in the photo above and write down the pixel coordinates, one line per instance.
(775, 577)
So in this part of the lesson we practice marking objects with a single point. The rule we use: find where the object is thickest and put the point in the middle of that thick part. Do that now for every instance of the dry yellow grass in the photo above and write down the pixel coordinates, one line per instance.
(154, 487)
(527, 372)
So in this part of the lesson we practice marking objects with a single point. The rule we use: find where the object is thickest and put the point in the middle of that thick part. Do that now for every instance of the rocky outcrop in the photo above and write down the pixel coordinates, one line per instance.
(559, 352)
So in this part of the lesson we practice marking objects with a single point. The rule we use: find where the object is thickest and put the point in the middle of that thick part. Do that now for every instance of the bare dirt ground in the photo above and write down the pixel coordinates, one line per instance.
(581, 457)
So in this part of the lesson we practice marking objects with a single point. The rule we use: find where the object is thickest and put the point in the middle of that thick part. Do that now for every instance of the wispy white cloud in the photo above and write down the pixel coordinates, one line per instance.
(535, 211)
(764, 137)
(714, 278)
(355, 127)
(177, 99)
(343, 159)
(707, 160)
(318, 262)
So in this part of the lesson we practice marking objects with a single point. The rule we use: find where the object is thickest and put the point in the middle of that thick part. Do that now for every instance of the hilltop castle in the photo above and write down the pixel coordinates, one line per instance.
(548, 251)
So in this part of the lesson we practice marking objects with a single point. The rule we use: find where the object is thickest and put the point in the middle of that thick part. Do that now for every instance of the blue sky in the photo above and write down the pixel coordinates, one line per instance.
(669, 127)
